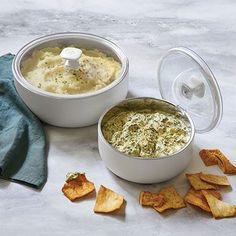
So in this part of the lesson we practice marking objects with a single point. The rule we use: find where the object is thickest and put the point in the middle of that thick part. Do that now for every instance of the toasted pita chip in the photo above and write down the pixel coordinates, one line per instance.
(151, 199)
(107, 200)
(77, 186)
(197, 183)
(219, 208)
(215, 179)
(225, 165)
(208, 156)
(172, 200)
(216, 157)
(197, 198)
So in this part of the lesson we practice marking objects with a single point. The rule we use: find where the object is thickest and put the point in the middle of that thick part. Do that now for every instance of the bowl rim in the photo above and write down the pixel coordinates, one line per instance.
(183, 111)
(30, 45)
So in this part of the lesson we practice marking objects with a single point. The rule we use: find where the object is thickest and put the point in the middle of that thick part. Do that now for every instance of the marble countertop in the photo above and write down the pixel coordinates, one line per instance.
(144, 30)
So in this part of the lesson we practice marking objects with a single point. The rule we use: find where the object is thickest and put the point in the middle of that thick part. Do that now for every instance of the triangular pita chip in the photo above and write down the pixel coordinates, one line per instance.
(77, 186)
(197, 183)
(219, 208)
(107, 200)
(216, 157)
(215, 179)
(197, 198)
(172, 199)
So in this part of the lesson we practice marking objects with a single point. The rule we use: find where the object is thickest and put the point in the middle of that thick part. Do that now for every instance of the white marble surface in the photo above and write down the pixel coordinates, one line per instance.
(145, 30)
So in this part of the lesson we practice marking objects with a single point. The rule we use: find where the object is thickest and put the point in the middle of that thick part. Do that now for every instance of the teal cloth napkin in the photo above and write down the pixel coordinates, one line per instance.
(22, 138)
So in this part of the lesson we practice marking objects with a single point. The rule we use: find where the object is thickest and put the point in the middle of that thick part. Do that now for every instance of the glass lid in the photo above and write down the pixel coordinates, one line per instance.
(186, 80)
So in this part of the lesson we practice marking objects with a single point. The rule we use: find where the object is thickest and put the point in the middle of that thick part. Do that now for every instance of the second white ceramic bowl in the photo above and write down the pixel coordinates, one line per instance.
(141, 169)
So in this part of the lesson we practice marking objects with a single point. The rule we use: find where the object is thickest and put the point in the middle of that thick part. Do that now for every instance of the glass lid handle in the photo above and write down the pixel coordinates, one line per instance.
(71, 56)
(193, 87)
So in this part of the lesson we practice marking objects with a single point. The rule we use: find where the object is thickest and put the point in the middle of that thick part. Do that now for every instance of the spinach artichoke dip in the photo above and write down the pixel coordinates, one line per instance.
(150, 133)
(45, 70)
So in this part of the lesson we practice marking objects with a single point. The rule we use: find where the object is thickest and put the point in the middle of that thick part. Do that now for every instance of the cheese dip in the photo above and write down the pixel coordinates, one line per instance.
(150, 133)
(45, 70)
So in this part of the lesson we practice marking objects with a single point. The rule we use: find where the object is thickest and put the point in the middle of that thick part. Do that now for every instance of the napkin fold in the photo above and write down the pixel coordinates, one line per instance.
(22, 138)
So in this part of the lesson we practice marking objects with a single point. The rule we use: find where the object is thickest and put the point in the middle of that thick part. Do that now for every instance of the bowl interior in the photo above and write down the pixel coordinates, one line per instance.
(144, 103)
(80, 40)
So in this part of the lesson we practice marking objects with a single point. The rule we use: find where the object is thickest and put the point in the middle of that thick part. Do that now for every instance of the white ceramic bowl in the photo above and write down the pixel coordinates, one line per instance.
(141, 169)
(71, 110)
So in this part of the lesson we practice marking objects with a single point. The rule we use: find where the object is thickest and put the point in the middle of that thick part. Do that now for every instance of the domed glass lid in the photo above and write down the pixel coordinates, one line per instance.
(186, 80)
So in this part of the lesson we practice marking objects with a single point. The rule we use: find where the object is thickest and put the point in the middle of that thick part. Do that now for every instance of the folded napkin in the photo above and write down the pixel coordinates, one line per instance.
(22, 139)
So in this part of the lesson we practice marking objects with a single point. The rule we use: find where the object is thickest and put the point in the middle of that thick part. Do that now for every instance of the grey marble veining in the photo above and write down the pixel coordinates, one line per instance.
(144, 30)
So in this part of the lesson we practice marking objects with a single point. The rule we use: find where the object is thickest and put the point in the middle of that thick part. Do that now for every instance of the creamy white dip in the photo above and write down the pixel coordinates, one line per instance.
(45, 70)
